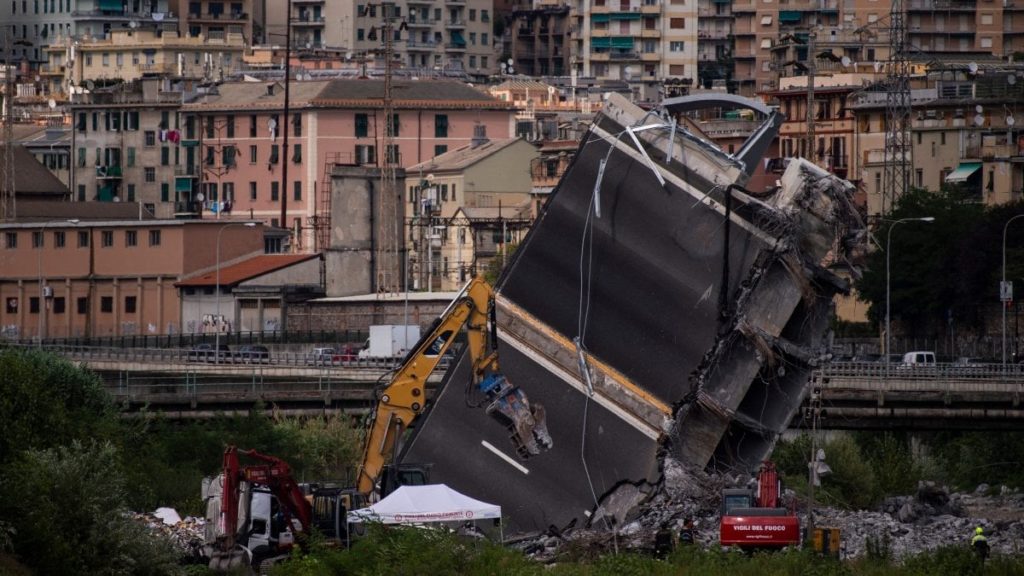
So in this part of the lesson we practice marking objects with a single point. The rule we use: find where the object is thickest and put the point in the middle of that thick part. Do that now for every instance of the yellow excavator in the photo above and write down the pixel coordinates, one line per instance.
(404, 398)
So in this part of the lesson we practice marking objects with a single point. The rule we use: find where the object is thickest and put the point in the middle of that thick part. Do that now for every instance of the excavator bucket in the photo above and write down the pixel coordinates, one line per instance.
(527, 423)
(229, 560)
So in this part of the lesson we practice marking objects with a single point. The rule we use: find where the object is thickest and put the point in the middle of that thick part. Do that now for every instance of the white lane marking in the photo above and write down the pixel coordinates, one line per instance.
(505, 457)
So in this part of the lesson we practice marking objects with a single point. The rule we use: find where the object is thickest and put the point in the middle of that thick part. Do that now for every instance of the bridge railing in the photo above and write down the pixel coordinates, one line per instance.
(188, 340)
(172, 356)
(941, 371)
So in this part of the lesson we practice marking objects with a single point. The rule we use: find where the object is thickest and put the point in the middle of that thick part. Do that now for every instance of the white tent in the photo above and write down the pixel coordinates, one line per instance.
(430, 503)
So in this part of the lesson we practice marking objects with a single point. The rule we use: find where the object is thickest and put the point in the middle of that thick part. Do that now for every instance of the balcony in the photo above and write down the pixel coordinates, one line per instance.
(455, 23)
(218, 17)
(306, 20)
(421, 22)
(51, 70)
(187, 209)
(653, 9)
(624, 56)
(650, 57)
(123, 16)
(420, 46)
(455, 47)
(192, 171)
(159, 68)
(112, 172)
(599, 57)
(645, 33)
(420, 2)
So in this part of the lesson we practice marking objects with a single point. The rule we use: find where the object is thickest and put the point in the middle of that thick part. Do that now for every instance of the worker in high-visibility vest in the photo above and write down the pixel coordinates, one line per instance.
(979, 543)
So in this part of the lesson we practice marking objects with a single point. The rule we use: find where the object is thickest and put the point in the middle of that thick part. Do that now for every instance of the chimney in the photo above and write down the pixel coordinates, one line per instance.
(479, 136)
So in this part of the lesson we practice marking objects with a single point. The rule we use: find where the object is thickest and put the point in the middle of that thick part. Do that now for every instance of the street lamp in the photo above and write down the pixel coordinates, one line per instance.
(218, 324)
(888, 259)
(39, 265)
(1005, 292)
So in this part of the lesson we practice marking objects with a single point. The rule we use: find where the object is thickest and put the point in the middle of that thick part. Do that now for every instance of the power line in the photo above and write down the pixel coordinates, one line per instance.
(898, 151)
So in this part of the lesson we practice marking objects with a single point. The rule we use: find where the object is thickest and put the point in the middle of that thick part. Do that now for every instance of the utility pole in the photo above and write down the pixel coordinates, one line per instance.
(7, 203)
(811, 152)
(389, 205)
(898, 147)
(285, 122)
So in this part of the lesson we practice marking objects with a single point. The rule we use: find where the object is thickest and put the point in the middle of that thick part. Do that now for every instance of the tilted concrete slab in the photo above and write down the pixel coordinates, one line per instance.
(694, 343)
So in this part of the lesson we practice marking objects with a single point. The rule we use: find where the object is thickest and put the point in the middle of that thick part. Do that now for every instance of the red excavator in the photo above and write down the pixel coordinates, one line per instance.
(262, 510)
(755, 518)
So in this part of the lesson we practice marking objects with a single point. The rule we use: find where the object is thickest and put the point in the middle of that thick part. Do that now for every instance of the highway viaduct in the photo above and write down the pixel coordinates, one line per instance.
(851, 395)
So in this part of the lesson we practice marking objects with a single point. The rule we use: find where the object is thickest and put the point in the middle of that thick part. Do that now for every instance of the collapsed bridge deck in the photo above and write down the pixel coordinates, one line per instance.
(668, 310)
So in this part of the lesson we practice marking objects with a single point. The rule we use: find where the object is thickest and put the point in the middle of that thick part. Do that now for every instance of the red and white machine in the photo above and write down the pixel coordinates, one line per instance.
(756, 519)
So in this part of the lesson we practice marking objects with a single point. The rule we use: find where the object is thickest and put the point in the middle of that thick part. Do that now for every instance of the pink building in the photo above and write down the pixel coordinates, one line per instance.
(238, 132)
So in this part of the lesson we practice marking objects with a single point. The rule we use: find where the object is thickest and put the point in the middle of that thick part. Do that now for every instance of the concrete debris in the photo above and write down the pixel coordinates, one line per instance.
(186, 534)
(902, 525)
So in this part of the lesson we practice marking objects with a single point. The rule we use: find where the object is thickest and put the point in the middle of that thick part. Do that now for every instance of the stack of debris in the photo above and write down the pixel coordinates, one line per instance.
(185, 534)
(902, 526)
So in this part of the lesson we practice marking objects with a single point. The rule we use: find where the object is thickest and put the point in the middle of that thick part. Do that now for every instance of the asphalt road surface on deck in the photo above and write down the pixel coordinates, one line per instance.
(554, 489)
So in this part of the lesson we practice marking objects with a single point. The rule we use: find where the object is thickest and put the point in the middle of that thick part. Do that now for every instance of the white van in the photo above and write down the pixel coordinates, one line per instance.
(918, 359)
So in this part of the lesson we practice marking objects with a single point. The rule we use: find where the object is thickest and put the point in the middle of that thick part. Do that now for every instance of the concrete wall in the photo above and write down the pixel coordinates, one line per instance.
(320, 315)
(350, 257)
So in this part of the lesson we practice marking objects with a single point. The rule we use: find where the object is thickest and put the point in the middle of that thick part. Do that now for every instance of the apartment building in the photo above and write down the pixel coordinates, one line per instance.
(428, 35)
(78, 273)
(640, 42)
(126, 55)
(459, 201)
(966, 26)
(833, 121)
(714, 43)
(964, 134)
(238, 127)
(775, 39)
(542, 40)
(36, 24)
(216, 19)
(126, 147)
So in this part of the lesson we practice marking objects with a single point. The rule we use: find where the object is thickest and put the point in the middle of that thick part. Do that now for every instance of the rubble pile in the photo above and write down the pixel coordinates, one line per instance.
(931, 518)
(186, 534)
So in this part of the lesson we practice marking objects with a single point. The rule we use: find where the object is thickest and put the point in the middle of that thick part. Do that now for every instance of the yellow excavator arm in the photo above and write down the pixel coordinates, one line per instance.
(404, 398)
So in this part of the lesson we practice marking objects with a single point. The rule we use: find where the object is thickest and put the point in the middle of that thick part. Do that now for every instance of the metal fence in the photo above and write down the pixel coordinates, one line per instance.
(192, 339)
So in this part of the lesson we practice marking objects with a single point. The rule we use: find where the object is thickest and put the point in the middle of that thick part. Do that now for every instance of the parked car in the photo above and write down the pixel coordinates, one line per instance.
(254, 353)
(323, 356)
(209, 353)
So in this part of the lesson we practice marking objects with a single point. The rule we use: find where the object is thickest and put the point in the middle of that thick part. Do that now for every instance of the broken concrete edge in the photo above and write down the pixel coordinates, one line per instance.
(820, 198)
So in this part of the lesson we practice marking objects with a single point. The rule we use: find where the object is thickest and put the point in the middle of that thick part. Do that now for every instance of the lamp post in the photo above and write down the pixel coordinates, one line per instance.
(888, 260)
(217, 322)
(39, 266)
(1005, 293)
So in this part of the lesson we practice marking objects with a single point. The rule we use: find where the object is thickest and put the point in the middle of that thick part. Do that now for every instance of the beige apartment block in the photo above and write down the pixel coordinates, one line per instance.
(36, 24)
(125, 146)
(216, 19)
(640, 42)
(429, 36)
(458, 201)
(965, 134)
(132, 54)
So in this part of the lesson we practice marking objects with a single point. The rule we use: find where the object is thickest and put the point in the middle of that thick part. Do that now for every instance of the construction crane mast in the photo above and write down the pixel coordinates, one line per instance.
(898, 147)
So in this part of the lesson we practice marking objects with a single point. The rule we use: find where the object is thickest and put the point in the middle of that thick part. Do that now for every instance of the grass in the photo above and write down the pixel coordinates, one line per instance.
(413, 552)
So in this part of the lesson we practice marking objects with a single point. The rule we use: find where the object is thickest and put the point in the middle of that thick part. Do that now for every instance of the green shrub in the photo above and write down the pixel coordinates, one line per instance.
(66, 506)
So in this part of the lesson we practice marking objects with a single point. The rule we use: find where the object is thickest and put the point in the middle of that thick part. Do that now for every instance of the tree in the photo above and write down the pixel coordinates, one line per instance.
(66, 506)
